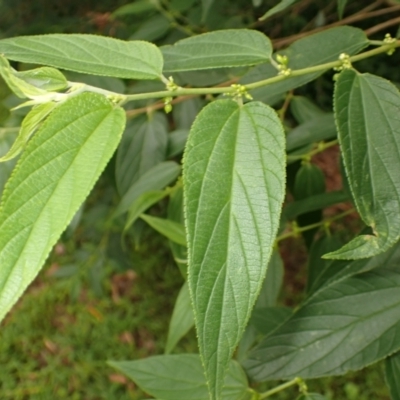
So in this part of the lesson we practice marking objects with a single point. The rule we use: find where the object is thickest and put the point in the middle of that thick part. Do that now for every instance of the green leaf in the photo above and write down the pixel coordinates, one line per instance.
(182, 319)
(366, 109)
(319, 270)
(143, 146)
(176, 142)
(272, 284)
(313, 203)
(206, 5)
(180, 377)
(142, 203)
(312, 396)
(170, 229)
(304, 109)
(267, 319)
(136, 8)
(341, 5)
(28, 127)
(7, 136)
(314, 130)
(184, 113)
(282, 5)
(175, 213)
(90, 54)
(19, 86)
(155, 178)
(45, 78)
(345, 326)
(218, 49)
(54, 175)
(234, 183)
(320, 48)
(392, 375)
(152, 29)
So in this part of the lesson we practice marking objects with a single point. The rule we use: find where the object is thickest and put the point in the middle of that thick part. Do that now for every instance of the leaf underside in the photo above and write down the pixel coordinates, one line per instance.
(234, 179)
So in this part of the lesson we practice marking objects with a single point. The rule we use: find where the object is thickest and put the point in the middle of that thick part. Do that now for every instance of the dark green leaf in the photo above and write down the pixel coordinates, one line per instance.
(304, 110)
(392, 375)
(224, 48)
(180, 377)
(347, 325)
(182, 319)
(319, 48)
(138, 7)
(341, 5)
(282, 5)
(54, 175)
(312, 396)
(234, 178)
(143, 146)
(367, 109)
(176, 142)
(156, 178)
(89, 54)
(312, 203)
(314, 130)
(267, 319)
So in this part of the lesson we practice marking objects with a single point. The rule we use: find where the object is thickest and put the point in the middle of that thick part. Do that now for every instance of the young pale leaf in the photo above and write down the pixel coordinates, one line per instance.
(19, 86)
(234, 183)
(180, 377)
(392, 375)
(28, 127)
(218, 49)
(282, 5)
(45, 78)
(7, 136)
(89, 54)
(367, 117)
(52, 178)
(182, 319)
(170, 229)
(346, 325)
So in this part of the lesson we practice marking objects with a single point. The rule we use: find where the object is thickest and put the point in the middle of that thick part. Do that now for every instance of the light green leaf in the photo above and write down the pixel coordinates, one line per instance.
(19, 86)
(182, 319)
(234, 183)
(90, 54)
(392, 375)
(28, 127)
(155, 178)
(345, 326)
(282, 5)
(341, 5)
(180, 377)
(142, 203)
(218, 49)
(170, 229)
(143, 146)
(366, 110)
(319, 48)
(52, 178)
(45, 78)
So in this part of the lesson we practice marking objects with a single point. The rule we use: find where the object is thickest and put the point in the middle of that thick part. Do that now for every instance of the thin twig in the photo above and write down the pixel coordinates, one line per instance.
(382, 26)
(278, 43)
